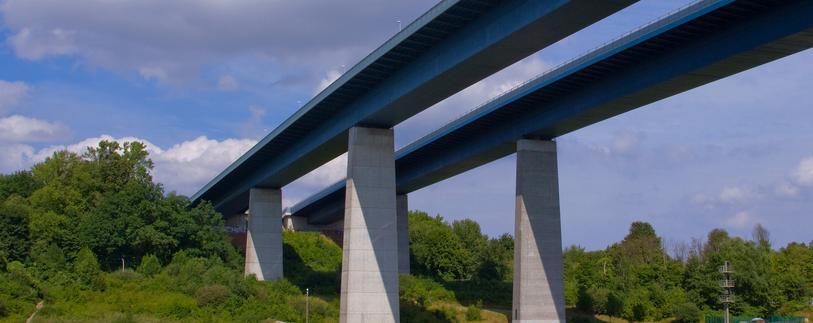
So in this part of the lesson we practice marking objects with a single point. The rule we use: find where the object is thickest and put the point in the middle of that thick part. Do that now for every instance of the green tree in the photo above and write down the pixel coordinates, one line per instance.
(150, 265)
(86, 267)
(20, 183)
(14, 234)
(436, 250)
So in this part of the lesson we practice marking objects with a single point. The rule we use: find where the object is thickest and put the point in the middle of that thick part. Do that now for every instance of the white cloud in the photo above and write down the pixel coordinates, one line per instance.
(804, 172)
(14, 157)
(23, 129)
(787, 189)
(11, 94)
(253, 127)
(173, 40)
(740, 220)
(737, 194)
(227, 83)
(331, 77)
(184, 167)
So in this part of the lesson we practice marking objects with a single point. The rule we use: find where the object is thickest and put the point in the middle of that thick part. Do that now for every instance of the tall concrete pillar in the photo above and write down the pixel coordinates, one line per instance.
(264, 234)
(402, 204)
(538, 272)
(369, 290)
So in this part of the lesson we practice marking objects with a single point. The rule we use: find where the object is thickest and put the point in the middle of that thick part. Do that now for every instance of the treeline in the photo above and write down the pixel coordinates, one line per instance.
(637, 279)
(74, 216)
(69, 224)
(105, 201)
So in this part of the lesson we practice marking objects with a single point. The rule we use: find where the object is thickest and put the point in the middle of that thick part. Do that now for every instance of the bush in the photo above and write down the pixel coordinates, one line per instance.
(686, 312)
(212, 295)
(584, 301)
(2, 308)
(639, 312)
(473, 313)
(423, 291)
(615, 304)
(86, 267)
(150, 266)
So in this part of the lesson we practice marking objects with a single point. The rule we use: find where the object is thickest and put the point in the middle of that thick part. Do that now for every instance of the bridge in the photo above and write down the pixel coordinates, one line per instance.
(704, 42)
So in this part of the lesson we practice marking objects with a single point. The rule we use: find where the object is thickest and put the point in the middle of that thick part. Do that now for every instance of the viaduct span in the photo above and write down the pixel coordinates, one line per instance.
(452, 46)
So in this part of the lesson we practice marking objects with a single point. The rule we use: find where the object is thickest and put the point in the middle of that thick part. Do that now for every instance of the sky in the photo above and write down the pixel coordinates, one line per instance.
(201, 81)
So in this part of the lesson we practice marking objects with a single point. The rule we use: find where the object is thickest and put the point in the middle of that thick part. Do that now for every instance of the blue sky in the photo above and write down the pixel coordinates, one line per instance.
(202, 81)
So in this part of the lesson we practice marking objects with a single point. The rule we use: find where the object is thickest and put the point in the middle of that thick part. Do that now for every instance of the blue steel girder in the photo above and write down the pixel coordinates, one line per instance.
(703, 43)
(454, 45)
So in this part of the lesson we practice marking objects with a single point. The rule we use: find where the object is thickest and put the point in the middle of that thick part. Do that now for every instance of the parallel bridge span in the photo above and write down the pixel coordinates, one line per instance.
(702, 43)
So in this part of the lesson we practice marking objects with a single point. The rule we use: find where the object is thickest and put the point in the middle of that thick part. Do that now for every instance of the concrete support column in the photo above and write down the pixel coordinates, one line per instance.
(369, 290)
(538, 272)
(402, 204)
(264, 234)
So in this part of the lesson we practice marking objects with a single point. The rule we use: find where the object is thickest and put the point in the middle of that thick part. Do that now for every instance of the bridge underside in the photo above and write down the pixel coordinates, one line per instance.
(708, 42)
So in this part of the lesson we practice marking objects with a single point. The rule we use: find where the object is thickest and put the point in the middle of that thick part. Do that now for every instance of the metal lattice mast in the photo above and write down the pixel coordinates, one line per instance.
(728, 289)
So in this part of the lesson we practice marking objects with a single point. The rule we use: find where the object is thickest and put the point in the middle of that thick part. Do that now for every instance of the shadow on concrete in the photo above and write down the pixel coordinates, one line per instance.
(324, 284)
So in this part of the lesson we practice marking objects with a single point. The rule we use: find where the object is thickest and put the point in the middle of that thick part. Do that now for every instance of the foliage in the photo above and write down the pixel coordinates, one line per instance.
(20, 183)
(312, 261)
(14, 235)
(423, 291)
(212, 295)
(436, 250)
(150, 265)
(686, 313)
(473, 313)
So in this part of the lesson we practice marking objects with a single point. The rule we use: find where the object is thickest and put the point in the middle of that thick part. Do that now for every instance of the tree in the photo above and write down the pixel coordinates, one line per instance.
(86, 267)
(20, 183)
(761, 236)
(149, 266)
(14, 234)
(686, 313)
(435, 249)
(615, 304)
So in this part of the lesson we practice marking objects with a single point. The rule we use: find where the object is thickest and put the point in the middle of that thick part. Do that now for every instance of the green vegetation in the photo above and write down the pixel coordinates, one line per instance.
(69, 225)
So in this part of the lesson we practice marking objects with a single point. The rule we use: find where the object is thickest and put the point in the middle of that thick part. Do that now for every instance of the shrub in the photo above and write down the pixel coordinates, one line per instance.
(615, 304)
(149, 265)
(212, 295)
(86, 267)
(473, 313)
(423, 291)
(584, 301)
(2, 308)
(639, 312)
(686, 312)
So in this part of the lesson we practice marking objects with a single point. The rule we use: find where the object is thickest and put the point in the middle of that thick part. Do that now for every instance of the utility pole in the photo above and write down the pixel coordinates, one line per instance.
(307, 304)
(728, 286)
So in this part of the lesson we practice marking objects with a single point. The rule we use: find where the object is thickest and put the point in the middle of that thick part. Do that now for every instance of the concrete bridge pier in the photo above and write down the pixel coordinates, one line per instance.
(401, 202)
(369, 290)
(538, 270)
(264, 234)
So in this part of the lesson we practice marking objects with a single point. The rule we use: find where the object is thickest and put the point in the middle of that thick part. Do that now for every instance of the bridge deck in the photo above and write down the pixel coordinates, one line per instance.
(455, 44)
(702, 43)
